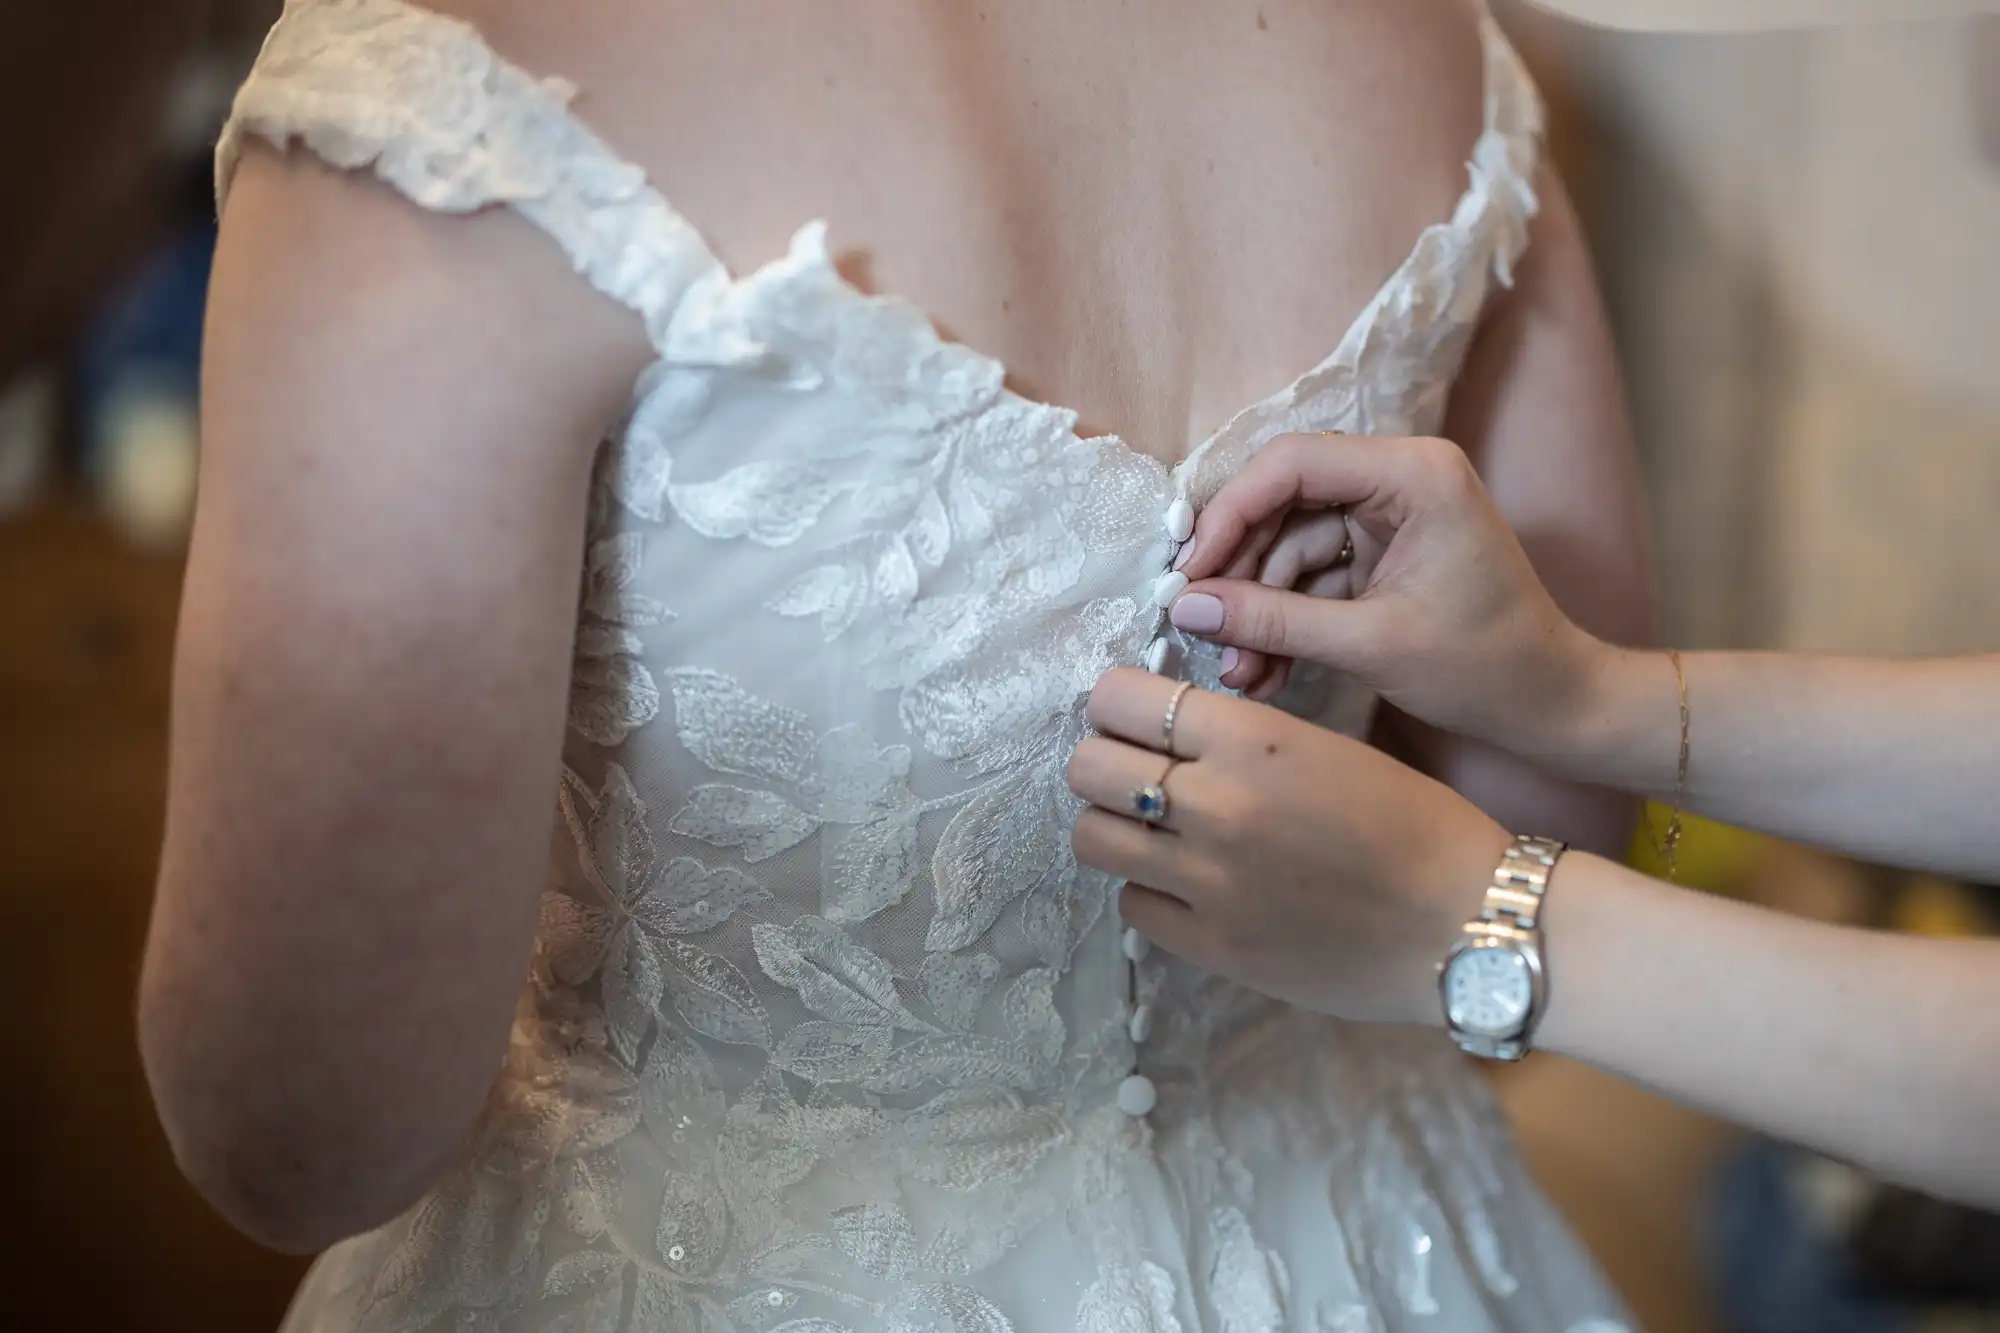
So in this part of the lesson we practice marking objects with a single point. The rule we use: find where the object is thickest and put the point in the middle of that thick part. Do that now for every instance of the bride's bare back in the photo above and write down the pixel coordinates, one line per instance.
(1152, 213)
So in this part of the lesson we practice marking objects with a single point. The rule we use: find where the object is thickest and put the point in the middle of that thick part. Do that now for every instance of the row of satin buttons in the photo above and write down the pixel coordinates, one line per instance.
(1136, 1095)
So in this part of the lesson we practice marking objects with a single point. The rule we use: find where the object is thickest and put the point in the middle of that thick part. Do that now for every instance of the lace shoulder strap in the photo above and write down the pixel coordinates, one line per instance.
(1508, 154)
(424, 101)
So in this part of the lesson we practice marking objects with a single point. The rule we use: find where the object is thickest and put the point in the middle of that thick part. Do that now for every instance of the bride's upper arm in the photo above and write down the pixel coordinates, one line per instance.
(1540, 410)
(400, 412)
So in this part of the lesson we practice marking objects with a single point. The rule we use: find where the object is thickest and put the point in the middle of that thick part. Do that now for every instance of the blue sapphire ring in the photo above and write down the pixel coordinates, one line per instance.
(1150, 803)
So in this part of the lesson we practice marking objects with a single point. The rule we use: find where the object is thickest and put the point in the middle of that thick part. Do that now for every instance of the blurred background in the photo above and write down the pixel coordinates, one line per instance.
(1797, 235)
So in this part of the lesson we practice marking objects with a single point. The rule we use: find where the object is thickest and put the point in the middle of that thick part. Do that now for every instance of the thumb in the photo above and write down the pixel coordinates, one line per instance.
(1278, 621)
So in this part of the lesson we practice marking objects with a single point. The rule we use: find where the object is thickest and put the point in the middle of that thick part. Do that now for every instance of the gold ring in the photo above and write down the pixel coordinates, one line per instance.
(1172, 716)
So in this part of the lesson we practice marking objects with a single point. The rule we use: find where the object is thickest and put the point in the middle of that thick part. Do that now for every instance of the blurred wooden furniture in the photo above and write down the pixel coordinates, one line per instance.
(83, 89)
(107, 1234)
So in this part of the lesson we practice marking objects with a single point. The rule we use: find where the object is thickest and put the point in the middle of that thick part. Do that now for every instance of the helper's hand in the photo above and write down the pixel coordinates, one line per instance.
(1290, 858)
(1447, 619)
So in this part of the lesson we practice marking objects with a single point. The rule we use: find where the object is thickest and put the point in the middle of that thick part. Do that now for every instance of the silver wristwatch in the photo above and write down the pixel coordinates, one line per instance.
(1493, 982)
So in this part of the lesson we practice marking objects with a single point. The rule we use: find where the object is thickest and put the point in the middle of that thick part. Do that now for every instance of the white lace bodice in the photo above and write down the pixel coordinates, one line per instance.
(825, 1025)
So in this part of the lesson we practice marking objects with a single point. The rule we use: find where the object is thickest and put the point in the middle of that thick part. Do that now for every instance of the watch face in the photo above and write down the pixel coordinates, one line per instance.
(1488, 990)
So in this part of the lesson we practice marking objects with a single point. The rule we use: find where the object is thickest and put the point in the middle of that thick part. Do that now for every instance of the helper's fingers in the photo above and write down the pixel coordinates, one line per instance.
(1279, 622)
(1113, 775)
(1310, 542)
(1123, 848)
(1386, 476)
(1243, 669)
(1273, 682)
(1132, 705)
(1249, 555)
(1165, 920)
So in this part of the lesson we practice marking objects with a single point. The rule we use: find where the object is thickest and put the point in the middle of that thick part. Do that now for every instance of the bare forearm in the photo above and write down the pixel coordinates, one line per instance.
(346, 906)
(1892, 761)
(1878, 1049)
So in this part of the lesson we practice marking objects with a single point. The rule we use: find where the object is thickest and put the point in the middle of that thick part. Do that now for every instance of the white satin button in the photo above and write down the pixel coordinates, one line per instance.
(1136, 946)
(1141, 1026)
(1156, 656)
(1171, 585)
(1137, 1096)
(1180, 520)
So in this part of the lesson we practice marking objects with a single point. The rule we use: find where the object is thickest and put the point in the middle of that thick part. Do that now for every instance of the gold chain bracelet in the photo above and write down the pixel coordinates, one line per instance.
(1669, 843)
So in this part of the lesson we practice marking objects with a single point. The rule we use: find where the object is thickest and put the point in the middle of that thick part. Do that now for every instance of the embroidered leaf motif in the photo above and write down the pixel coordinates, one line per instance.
(773, 502)
(574, 937)
(998, 845)
(597, 1313)
(659, 1301)
(937, 631)
(877, 1237)
(873, 868)
(679, 1090)
(929, 532)
(469, 1237)
(733, 731)
(834, 976)
(713, 998)
(821, 1052)
(694, 1225)
(1030, 1011)
(761, 1307)
(830, 1124)
(1061, 909)
(994, 1137)
(837, 594)
(854, 780)
(586, 1268)
(639, 472)
(892, 497)
(614, 562)
(670, 400)
(896, 579)
(997, 708)
(610, 698)
(612, 839)
(633, 985)
(955, 985)
(761, 823)
(595, 641)
(986, 1225)
(611, 569)
(599, 1100)
(1129, 1301)
(758, 1156)
(1248, 1283)
(688, 898)
(945, 1308)
(959, 1060)
(588, 1196)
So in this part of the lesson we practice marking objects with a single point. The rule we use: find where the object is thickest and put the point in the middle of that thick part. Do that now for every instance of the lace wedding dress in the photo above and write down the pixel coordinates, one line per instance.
(825, 1028)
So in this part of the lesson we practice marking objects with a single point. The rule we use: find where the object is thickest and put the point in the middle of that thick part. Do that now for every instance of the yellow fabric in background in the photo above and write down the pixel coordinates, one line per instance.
(1713, 857)
(1930, 906)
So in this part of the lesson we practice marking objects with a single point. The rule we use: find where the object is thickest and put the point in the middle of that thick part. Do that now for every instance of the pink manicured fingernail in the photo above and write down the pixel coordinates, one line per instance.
(1187, 553)
(1229, 659)
(1198, 613)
